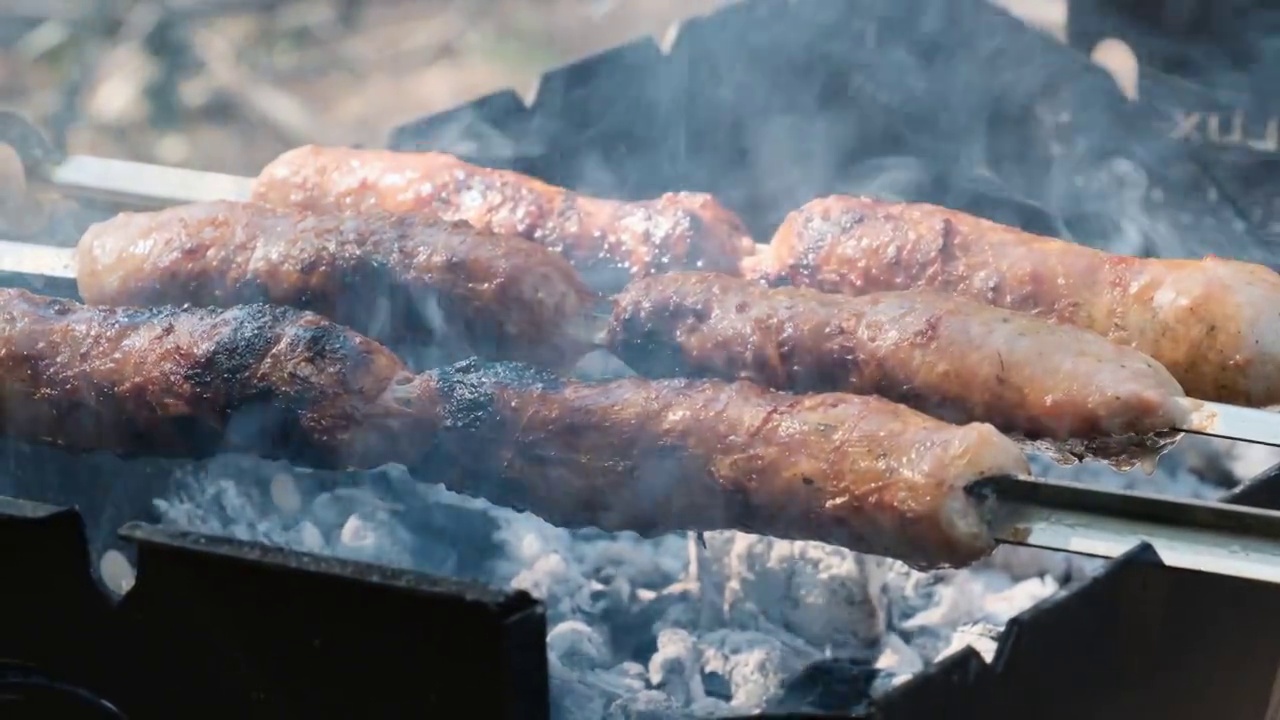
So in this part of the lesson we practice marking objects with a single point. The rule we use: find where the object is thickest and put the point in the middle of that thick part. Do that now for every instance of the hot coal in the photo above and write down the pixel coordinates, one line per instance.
(664, 627)
(837, 682)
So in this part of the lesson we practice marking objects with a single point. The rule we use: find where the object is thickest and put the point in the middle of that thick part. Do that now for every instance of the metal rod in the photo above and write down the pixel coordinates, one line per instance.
(1234, 423)
(142, 184)
(38, 260)
(1189, 534)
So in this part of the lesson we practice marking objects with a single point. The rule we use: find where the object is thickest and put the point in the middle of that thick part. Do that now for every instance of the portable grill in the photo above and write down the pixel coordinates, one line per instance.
(215, 627)
(766, 105)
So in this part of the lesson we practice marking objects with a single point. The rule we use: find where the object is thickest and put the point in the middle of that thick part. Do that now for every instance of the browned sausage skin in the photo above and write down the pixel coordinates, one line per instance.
(191, 382)
(648, 456)
(656, 456)
(1214, 323)
(950, 357)
(436, 291)
(608, 241)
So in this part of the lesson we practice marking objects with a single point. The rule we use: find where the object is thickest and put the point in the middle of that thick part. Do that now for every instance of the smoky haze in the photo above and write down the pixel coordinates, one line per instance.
(765, 105)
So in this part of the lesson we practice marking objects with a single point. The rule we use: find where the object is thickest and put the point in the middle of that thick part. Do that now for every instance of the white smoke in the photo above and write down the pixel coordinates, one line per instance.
(666, 627)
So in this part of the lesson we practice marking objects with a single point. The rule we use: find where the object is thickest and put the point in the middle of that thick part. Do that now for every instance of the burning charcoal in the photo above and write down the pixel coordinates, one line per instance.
(575, 699)
(633, 671)
(310, 539)
(1225, 463)
(628, 559)
(646, 705)
(373, 536)
(676, 667)
(825, 596)
(829, 686)
(358, 533)
(754, 663)
(222, 506)
(599, 598)
(331, 510)
(633, 628)
(386, 520)
(897, 659)
(982, 637)
(1001, 607)
(735, 620)
(1022, 563)
(710, 708)
(717, 686)
(586, 693)
(627, 678)
(543, 579)
(578, 646)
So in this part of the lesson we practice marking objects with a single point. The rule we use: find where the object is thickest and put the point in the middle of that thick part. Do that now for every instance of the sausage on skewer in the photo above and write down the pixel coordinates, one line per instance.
(608, 241)
(1214, 323)
(399, 278)
(648, 456)
(952, 358)
(411, 283)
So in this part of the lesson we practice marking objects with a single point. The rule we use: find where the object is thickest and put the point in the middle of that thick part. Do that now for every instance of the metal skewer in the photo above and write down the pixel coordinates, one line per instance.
(1232, 422)
(141, 184)
(1189, 534)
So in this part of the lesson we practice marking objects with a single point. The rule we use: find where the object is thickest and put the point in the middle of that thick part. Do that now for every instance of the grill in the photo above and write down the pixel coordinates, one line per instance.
(215, 627)
(765, 105)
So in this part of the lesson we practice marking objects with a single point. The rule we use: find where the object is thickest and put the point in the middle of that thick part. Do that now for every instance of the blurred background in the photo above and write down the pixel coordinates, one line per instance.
(226, 85)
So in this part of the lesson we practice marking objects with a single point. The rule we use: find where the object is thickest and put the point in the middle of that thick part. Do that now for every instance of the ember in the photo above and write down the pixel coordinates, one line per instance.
(665, 625)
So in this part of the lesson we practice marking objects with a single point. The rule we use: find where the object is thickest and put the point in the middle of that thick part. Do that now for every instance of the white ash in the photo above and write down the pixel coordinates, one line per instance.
(665, 627)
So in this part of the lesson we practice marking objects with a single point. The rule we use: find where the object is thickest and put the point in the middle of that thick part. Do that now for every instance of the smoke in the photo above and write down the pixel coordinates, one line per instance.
(637, 628)
(662, 627)
(767, 106)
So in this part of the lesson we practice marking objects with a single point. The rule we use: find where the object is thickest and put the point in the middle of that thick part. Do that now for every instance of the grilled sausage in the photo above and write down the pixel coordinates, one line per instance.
(648, 456)
(404, 281)
(189, 383)
(656, 456)
(608, 241)
(1213, 323)
(952, 358)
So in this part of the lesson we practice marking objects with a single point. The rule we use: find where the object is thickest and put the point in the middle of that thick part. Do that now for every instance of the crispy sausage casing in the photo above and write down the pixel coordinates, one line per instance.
(401, 280)
(648, 456)
(1213, 323)
(608, 241)
(950, 357)
(265, 380)
(659, 456)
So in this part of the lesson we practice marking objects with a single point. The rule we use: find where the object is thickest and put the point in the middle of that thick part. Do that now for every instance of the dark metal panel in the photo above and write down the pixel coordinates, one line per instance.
(769, 104)
(221, 628)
